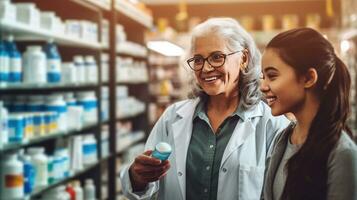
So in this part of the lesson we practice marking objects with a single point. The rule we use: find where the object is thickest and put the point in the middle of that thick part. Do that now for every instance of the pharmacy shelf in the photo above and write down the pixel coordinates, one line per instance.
(100, 4)
(130, 11)
(15, 146)
(131, 115)
(125, 147)
(25, 32)
(46, 86)
(41, 191)
(132, 82)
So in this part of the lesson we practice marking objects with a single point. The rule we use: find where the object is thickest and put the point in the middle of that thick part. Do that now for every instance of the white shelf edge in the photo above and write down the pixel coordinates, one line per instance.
(130, 11)
(26, 32)
(99, 4)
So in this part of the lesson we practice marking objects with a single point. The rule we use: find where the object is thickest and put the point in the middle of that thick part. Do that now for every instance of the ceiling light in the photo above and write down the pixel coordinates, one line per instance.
(165, 48)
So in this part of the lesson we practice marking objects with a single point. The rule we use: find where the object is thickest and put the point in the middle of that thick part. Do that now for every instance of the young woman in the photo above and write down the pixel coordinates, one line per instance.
(315, 157)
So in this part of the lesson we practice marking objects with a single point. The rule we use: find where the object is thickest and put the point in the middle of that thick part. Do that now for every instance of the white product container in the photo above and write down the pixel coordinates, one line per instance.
(34, 65)
(16, 128)
(55, 103)
(89, 190)
(78, 190)
(76, 150)
(88, 101)
(105, 67)
(75, 117)
(89, 149)
(7, 10)
(39, 125)
(12, 180)
(4, 116)
(64, 154)
(48, 21)
(40, 162)
(27, 13)
(105, 33)
(91, 70)
(69, 73)
(80, 67)
(73, 28)
(58, 193)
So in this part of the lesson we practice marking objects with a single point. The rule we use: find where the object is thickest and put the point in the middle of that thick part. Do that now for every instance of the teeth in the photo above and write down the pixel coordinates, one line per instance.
(270, 100)
(211, 78)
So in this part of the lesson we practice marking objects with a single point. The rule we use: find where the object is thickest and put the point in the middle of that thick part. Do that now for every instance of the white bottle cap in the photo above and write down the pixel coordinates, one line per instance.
(35, 150)
(34, 48)
(163, 147)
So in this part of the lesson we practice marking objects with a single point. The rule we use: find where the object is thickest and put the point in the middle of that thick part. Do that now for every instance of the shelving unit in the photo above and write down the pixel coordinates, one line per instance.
(136, 22)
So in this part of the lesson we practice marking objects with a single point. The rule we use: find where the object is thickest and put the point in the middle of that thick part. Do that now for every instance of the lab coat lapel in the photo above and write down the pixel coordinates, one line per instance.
(182, 130)
(241, 132)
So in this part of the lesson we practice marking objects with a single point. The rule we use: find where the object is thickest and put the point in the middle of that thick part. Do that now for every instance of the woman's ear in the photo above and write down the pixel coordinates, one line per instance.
(310, 78)
(245, 59)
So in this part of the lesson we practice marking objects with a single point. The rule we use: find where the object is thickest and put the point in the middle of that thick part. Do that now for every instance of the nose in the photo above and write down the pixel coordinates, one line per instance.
(264, 87)
(207, 67)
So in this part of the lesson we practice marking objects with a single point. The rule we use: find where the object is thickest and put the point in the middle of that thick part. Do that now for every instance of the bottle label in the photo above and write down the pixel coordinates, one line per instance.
(14, 180)
(53, 70)
(4, 68)
(15, 65)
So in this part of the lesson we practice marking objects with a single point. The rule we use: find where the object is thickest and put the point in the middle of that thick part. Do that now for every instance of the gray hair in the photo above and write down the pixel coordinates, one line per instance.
(237, 38)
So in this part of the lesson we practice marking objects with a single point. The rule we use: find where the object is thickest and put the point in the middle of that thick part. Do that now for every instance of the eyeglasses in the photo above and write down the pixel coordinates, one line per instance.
(215, 60)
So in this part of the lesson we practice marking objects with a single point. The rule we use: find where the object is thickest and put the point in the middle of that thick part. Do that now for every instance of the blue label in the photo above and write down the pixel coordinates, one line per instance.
(88, 105)
(16, 130)
(35, 108)
(38, 120)
(29, 177)
(58, 109)
(89, 149)
(160, 156)
(53, 77)
(4, 77)
(15, 77)
(18, 108)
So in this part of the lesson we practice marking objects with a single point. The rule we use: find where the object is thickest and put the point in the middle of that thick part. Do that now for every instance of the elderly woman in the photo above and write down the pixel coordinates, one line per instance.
(219, 138)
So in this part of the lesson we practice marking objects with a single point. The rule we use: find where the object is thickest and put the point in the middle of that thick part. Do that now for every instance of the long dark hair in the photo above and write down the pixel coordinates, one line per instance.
(302, 49)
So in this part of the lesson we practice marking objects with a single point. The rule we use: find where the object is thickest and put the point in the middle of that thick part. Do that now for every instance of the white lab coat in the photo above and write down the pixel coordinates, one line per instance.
(242, 167)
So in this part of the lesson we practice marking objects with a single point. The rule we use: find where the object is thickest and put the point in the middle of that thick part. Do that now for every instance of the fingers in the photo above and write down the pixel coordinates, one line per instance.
(148, 152)
(147, 160)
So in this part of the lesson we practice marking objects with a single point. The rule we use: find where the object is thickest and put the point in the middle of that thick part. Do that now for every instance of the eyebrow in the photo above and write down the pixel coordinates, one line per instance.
(213, 52)
(270, 68)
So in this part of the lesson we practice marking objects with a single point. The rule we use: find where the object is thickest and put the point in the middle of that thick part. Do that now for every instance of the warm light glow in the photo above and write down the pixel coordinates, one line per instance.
(166, 48)
(345, 45)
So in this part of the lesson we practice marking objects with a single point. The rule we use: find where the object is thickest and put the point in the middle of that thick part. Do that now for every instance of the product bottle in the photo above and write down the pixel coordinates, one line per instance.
(78, 190)
(15, 62)
(89, 190)
(80, 68)
(12, 179)
(53, 62)
(4, 117)
(56, 103)
(91, 74)
(4, 63)
(89, 150)
(29, 174)
(71, 192)
(40, 162)
(34, 65)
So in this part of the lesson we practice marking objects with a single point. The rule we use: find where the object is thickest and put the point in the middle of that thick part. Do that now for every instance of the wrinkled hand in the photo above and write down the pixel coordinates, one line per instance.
(146, 169)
